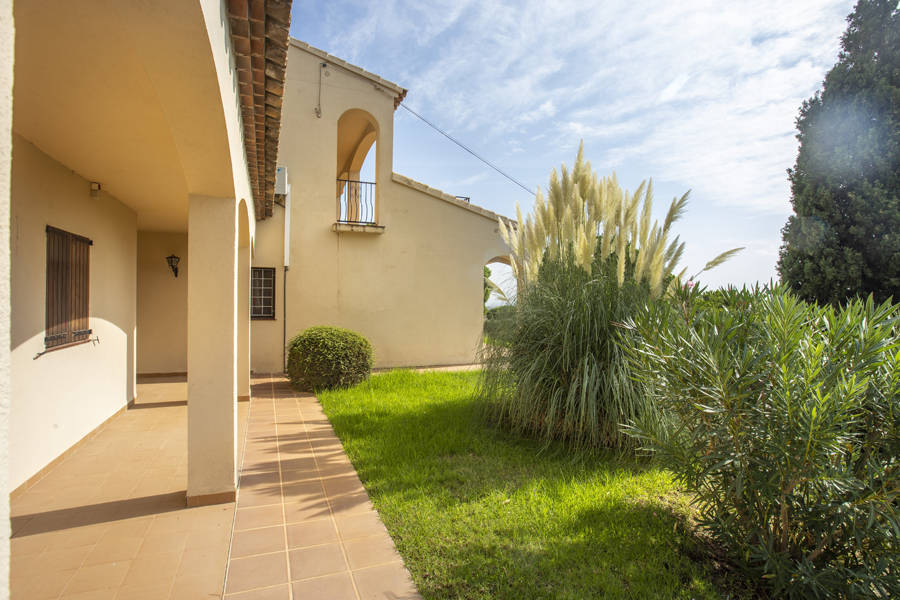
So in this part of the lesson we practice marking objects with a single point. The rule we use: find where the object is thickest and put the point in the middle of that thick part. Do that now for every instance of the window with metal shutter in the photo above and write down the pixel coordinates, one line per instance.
(68, 288)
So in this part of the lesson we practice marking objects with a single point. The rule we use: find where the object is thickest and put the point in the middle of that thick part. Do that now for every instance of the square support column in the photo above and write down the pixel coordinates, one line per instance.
(243, 331)
(212, 350)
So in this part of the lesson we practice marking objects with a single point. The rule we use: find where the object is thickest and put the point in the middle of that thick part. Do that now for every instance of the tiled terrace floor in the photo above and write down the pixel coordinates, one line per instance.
(109, 522)
(305, 528)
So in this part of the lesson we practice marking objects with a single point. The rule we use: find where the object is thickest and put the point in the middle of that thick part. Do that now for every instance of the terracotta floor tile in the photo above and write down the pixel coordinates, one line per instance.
(278, 592)
(317, 561)
(299, 512)
(303, 491)
(64, 558)
(346, 484)
(108, 594)
(370, 551)
(48, 585)
(257, 541)
(171, 522)
(256, 571)
(136, 527)
(71, 537)
(387, 582)
(29, 544)
(350, 504)
(336, 468)
(206, 560)
(98, 577)
(163, 543)
(259, 496)
(360, 525)
(251, 518)
(293, 434)
(152, 569)
(298, 464)
(251, 480)
(333, 587)
(114, 548)
(196, 590)
(305, 475)
(152, 592)
(216, 515)
(313, 533)
(260, 466)
(217, 537)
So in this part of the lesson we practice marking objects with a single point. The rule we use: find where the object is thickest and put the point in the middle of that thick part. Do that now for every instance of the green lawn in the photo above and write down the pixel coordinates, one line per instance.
(477, 513)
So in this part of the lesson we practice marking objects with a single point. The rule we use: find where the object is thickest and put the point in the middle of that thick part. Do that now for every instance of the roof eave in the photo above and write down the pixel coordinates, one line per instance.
(398, 91)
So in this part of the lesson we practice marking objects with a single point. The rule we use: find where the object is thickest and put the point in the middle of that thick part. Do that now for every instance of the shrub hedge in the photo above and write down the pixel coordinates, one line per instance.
(328, 358)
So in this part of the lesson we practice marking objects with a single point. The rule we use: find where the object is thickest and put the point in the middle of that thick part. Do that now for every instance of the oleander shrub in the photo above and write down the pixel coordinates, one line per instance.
(325, 358)
(783, 419)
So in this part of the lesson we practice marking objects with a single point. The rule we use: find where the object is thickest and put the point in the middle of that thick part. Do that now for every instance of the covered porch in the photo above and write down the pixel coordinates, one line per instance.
(131, 120)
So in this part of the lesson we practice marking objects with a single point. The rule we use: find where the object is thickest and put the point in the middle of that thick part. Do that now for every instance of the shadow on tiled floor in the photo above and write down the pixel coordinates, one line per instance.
(109, 522)
(305, 528)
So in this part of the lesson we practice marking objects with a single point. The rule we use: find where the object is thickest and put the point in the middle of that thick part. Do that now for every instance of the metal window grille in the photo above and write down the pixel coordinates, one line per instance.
(356, 202)
(68, 288)
(262, 293)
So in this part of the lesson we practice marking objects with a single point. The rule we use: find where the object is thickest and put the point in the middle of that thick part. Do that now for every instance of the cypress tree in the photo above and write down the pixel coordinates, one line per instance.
(844, 236)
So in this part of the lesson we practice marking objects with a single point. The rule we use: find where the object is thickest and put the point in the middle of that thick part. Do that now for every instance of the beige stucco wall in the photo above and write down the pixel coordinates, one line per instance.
(62, 395)
(266, 336)
(6, 85)
(416, 290)
(161, 303)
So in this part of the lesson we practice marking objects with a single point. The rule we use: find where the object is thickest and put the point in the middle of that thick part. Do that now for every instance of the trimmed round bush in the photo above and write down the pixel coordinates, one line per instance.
(326, 358)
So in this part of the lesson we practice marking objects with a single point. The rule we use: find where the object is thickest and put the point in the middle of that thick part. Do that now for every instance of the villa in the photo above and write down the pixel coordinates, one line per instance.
(182, 193)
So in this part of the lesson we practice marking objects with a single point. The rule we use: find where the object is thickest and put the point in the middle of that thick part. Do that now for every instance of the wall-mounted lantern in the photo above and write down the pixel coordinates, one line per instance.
(172, 260)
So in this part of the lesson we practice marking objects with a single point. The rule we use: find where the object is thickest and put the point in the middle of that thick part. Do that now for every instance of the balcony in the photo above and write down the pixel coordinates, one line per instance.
(356, 202)
(356, 207)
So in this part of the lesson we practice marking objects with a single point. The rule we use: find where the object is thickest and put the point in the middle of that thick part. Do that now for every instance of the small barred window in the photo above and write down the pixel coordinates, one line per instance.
(262, 293)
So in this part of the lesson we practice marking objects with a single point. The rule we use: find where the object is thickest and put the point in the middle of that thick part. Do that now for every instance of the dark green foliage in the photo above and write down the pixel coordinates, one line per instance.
(325, 358)
(559, 373)
(730, 297)
(783, 419)
(499, 323)
(844, 237)
(487, 289)
(499, 313)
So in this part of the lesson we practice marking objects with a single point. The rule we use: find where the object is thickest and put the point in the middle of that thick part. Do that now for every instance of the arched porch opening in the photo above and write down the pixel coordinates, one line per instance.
(499, 299)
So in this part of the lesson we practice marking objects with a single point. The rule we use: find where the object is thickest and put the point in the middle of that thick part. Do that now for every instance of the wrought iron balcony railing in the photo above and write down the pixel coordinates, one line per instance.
(356, 202)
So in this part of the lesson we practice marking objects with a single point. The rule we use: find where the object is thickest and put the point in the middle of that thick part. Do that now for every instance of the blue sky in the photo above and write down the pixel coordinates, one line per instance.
(699, 95)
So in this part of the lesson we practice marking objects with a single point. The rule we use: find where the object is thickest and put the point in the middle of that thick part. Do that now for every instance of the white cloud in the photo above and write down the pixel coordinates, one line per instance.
(673, 88)
(703, 93)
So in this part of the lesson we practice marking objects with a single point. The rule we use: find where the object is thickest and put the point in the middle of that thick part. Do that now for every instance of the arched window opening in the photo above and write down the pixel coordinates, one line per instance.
(499, 301)
(357, 168)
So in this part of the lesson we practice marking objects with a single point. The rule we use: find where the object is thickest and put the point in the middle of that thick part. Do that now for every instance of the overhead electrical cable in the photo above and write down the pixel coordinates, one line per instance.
(469, 150)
